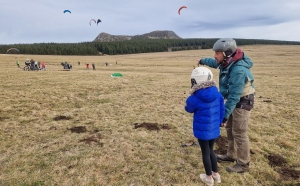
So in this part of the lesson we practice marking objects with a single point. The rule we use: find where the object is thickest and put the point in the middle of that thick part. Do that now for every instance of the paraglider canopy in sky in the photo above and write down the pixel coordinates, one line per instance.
(13, 49)
(67, 11)
(93, 21)
(181, 8)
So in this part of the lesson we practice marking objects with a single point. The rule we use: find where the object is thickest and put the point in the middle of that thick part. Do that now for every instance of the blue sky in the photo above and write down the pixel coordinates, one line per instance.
(36, 21)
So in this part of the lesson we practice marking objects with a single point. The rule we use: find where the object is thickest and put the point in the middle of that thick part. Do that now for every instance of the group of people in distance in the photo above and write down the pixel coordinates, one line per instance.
(32, 65)
(37, 65)
(87, 65)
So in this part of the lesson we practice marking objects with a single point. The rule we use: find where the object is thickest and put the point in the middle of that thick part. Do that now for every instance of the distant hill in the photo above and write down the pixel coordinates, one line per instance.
(164, 34)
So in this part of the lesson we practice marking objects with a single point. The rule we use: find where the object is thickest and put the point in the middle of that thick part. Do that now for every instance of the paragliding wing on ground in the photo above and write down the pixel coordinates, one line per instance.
(67, 11)
(116, 75)
(181, 8)
(13, 49)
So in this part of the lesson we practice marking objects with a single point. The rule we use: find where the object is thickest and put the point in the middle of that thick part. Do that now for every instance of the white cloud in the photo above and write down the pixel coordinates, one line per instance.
(44, 21)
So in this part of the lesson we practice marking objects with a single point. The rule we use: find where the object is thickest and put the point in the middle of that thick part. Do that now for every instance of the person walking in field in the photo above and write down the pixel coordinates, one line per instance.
(207, 104)
(43, 66)
(39, 64)
(87, 66)
(94, 67)
(35, 65)
(32, 64)
(18, 63)
(236, 86)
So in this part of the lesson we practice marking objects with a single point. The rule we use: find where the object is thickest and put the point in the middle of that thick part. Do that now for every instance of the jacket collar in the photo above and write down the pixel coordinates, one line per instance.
(203, 85)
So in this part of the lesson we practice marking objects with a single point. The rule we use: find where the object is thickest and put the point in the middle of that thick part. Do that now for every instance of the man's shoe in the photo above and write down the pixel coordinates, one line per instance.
(204, 179)
(239, 168)
(221, 158)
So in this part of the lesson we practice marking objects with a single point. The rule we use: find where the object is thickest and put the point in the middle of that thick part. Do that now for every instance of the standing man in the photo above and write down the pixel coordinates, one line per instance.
(94, 67)
(31, 64)
(39, 65)
(35, 65)
(236, 86)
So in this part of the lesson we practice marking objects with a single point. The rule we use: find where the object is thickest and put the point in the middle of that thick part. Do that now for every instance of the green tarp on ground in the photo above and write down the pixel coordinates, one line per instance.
(116, 75)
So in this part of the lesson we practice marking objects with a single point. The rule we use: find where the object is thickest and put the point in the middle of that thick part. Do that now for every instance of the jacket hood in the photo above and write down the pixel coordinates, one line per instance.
(205, 91)
(239, 59)
(245, 62)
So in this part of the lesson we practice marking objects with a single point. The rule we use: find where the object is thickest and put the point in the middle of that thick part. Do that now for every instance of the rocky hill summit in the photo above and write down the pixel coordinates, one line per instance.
(164, 34)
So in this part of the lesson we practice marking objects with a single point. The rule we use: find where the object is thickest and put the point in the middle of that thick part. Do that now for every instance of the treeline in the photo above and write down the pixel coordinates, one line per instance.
(127, 47)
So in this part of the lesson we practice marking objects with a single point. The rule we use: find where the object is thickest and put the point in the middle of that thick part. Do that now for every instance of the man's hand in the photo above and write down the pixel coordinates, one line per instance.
(199, 62)
(223, 124)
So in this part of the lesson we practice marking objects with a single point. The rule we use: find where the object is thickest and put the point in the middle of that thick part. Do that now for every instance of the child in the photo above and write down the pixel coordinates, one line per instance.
(207, 104)
(18, 63)
(43, 66)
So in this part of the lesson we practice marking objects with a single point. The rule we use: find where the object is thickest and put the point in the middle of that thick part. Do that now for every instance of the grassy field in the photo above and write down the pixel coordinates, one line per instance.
(83, 127)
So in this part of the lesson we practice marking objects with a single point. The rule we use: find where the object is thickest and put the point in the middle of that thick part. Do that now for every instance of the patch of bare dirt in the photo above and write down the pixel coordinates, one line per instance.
(280, 165)
(79, 129)
(276, 160)
(53, 128)
(189, 143)
(221, 142)
(91, 139)
(3, 118)
(61, 117)
(152, 126)
(165, 126)
(95, 131)
(148, 126)
(288, 173)
(267, 100)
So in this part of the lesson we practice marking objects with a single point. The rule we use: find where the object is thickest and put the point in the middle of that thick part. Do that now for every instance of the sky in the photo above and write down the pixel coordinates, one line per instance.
(43, 21)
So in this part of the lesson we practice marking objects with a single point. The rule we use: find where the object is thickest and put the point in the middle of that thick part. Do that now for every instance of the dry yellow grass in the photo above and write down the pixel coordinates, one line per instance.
(36, 149)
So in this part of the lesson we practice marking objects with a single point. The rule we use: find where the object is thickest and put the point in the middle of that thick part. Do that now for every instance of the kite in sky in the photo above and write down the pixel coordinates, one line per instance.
(180, 9)
(67, 11)
(93, 21)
